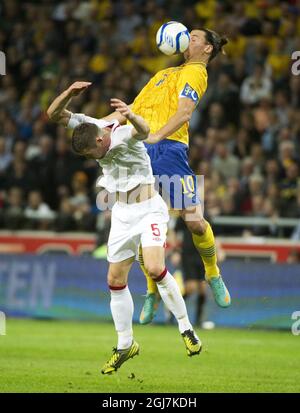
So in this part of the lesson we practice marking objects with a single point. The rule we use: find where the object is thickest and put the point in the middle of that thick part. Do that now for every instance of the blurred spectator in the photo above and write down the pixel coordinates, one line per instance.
(38, 212)
(13, 210)
(64, 220)
(42, 165)
(288, 190)
(19, 174)
(5, 155)
(80, 189)
(256, 87)
(80, 203)
(225, 163)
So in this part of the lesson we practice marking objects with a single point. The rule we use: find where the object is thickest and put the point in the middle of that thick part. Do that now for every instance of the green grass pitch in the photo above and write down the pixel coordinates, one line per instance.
(59, 356)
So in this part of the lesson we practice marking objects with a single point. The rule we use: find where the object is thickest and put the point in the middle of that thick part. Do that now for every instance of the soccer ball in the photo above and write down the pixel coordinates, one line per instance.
(172, 37)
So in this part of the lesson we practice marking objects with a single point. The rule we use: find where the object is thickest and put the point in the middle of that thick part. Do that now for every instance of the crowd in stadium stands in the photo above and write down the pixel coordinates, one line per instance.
(244, 136)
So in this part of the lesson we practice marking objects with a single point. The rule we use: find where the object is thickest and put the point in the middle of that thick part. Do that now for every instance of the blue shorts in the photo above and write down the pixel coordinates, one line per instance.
(175, 180)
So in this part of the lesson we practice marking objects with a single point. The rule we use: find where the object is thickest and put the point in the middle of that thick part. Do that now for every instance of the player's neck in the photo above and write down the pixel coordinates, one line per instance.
(199, 60)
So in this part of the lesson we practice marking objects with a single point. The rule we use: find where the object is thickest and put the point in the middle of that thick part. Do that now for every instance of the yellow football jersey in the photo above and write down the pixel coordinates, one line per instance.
(158, 100)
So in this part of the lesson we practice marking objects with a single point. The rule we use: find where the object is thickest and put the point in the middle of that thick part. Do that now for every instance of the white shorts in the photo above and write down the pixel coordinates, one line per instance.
(142, 223)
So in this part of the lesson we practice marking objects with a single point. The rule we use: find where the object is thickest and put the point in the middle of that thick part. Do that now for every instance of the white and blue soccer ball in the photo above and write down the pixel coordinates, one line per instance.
(172, 37)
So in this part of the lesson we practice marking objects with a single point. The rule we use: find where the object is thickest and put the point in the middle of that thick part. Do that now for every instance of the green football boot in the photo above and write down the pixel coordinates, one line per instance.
(150, 307)
(220, 292)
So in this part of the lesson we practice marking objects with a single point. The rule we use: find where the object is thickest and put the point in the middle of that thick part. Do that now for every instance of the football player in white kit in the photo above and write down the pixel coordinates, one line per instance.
(139, 215)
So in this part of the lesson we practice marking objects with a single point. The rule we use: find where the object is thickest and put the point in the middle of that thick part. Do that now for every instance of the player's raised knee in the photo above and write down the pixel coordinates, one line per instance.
(197, 227)
(114, 280)
(155, 269)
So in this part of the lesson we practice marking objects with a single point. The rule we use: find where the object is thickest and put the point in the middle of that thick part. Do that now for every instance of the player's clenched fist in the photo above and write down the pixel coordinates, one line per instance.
(77, 87)
(121, 107)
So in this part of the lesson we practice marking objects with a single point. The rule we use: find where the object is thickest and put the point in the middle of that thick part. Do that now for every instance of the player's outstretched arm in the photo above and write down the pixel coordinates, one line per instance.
(183, 115)
(116, 115)
(141, 128)
(57, 111)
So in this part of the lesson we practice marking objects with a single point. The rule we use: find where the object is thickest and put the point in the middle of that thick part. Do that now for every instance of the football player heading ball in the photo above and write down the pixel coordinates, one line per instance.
(167, 103)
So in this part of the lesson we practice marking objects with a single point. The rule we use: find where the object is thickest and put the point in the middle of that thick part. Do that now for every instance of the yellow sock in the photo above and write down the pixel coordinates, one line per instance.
(205, 245)
(151, 285)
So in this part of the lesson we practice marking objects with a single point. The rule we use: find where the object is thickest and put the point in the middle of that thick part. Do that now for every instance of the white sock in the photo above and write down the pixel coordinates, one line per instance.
(121, 305)
(171, 296)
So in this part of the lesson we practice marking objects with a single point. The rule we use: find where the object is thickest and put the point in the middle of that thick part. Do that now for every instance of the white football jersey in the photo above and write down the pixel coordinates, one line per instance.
(126, 163)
